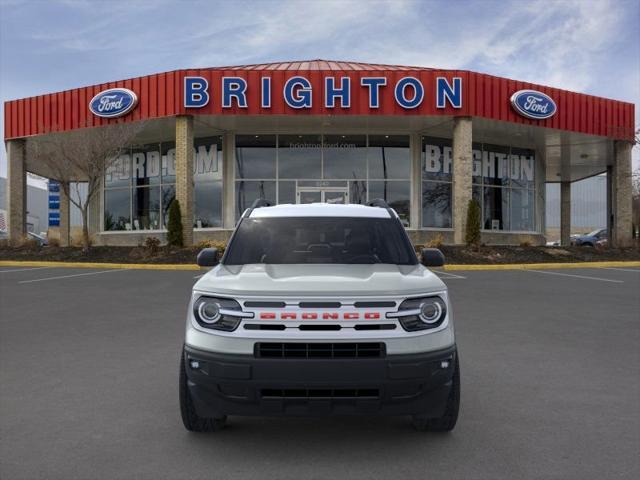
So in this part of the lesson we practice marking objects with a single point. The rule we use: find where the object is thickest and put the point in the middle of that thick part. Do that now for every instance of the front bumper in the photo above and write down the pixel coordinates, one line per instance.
(414, 384)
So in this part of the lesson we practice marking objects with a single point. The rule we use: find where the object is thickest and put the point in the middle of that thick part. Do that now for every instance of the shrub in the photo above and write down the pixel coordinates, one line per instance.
(152, 245)
(436, 242)
(220, 245)
(54, 242)
(525, 244)
(472, 234)
(174, 226)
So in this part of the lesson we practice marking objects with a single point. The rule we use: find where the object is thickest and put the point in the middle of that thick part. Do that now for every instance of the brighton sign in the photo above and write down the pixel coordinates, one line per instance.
(113, 103)
(408, 92)
(533, 104)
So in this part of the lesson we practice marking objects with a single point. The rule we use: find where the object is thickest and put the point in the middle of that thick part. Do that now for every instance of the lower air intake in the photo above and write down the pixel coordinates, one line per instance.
(320, 350)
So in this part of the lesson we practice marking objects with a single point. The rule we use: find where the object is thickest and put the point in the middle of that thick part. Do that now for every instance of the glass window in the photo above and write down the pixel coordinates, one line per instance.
(255, 156)
(397, 195)
(522, 167)
(145, 165)
(522, 210)
(476, 154)
(286, 192)
(207, 159)
(345, 156)
(168, 195)
(117, 204)
(495, 165)
(118, 174)
(300, 156)
(496, 208)
(389, 157)
(207, 211)
(168, 162)
(146, 208)
(437, 160)
(358, 192)
(436, 205)
(248, 191)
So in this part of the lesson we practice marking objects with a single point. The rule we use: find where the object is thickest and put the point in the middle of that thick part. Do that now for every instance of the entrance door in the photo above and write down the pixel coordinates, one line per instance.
(323, 195)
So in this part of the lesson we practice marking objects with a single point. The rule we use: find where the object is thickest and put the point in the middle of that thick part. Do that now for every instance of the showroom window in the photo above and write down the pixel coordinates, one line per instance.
(437, 170)
(140, 186)
(323, 168)
(503, 184)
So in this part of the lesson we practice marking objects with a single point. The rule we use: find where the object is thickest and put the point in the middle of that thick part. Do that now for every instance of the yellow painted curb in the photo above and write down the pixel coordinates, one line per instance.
(131, 266)
(188, 266)
(542, 266)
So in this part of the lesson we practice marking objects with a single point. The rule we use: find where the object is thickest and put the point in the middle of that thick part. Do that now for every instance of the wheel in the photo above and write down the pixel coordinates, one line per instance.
(450, 417)
(190, 418)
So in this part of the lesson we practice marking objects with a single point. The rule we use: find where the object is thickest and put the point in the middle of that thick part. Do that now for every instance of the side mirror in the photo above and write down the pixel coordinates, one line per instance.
(432, 257)
(208, 257)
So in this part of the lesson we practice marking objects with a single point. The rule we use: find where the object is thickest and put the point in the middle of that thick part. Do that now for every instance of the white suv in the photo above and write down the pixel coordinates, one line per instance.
(319, 309)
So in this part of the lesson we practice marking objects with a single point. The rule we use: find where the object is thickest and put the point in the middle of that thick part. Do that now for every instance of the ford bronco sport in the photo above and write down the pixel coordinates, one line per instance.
(319, 309)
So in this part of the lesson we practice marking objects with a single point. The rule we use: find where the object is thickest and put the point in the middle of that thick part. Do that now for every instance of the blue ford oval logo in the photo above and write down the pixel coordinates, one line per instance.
(114, 102)
(533, 104)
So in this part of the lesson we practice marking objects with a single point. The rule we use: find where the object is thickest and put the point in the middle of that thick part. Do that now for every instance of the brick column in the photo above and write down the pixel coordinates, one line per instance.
(565, 213)
(621, 185)
(65, 219)
(462, 175)
(16, 191)
(416, 181)
(228, 181)
(184, 174)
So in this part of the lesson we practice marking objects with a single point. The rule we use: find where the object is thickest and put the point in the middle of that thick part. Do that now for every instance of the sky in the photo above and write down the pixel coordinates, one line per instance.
(590, 46)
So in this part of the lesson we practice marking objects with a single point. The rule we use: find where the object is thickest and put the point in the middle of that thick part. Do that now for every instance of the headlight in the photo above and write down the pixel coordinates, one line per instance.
(218, 313)
(421, 313)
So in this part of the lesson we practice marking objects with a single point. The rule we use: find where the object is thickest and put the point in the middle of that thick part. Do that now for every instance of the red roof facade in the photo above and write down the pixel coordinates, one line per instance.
(161, 95)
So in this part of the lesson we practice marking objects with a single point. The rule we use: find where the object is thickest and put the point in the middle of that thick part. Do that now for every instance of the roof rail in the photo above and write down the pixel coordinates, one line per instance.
(257, 203)
(378, 202)
(382, 203)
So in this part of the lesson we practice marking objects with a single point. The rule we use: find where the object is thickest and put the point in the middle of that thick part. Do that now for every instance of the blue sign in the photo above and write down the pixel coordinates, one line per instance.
(54, 187)
(54, 219)
(114, 102)
(533, 104)
(54, 203)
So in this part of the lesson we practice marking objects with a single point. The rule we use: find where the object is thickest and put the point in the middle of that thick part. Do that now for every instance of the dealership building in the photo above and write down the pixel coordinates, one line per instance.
(425, 140)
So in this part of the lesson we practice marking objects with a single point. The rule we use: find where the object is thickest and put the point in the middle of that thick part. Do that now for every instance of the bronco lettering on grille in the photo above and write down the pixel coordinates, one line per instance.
(318, 316)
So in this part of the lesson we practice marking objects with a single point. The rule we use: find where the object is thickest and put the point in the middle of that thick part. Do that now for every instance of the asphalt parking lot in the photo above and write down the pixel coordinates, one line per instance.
(550, 386)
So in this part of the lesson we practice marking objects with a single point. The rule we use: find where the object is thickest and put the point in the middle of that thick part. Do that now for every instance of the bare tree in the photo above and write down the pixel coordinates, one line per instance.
(84, 156)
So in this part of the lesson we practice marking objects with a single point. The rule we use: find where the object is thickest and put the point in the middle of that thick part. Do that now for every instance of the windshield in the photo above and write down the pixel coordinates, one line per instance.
(594, 233)
(303, 240)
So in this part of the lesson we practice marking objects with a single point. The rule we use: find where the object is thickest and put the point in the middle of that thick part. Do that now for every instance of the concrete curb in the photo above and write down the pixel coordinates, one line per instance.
(542, 266)
(130, 266)
(188, 266)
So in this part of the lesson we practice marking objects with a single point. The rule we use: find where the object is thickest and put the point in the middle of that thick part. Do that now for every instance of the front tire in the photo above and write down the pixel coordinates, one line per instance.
(447, 422)
(190, 418)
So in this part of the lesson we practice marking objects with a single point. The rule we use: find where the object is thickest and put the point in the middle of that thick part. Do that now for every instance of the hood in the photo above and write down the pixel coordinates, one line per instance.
(319, 280)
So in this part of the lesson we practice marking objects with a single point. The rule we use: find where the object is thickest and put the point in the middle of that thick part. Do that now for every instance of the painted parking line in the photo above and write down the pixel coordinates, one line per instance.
(24, 269)
(449, 275)
(70, 276)
(637, 270)
(585, 277)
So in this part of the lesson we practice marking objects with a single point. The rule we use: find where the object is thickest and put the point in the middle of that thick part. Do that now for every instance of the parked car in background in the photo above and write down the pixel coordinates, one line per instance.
(591, 238)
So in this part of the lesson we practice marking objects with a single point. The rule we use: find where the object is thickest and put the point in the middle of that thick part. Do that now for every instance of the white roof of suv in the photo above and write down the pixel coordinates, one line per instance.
(320, 210)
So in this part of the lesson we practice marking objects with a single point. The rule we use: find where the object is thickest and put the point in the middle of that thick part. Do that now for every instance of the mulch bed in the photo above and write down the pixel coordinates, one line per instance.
(453, 254)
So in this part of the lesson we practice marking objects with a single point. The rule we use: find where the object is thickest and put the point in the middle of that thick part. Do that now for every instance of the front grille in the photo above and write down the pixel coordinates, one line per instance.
(320, 350)
(320, 393)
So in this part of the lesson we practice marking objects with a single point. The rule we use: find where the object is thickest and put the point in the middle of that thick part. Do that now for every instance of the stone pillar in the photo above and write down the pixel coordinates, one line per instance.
(462, 175)
(184, 174)
(228, 181)
(16, 191)
(65, 216)
(565, 213)
(621, 184)
(416, 181)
